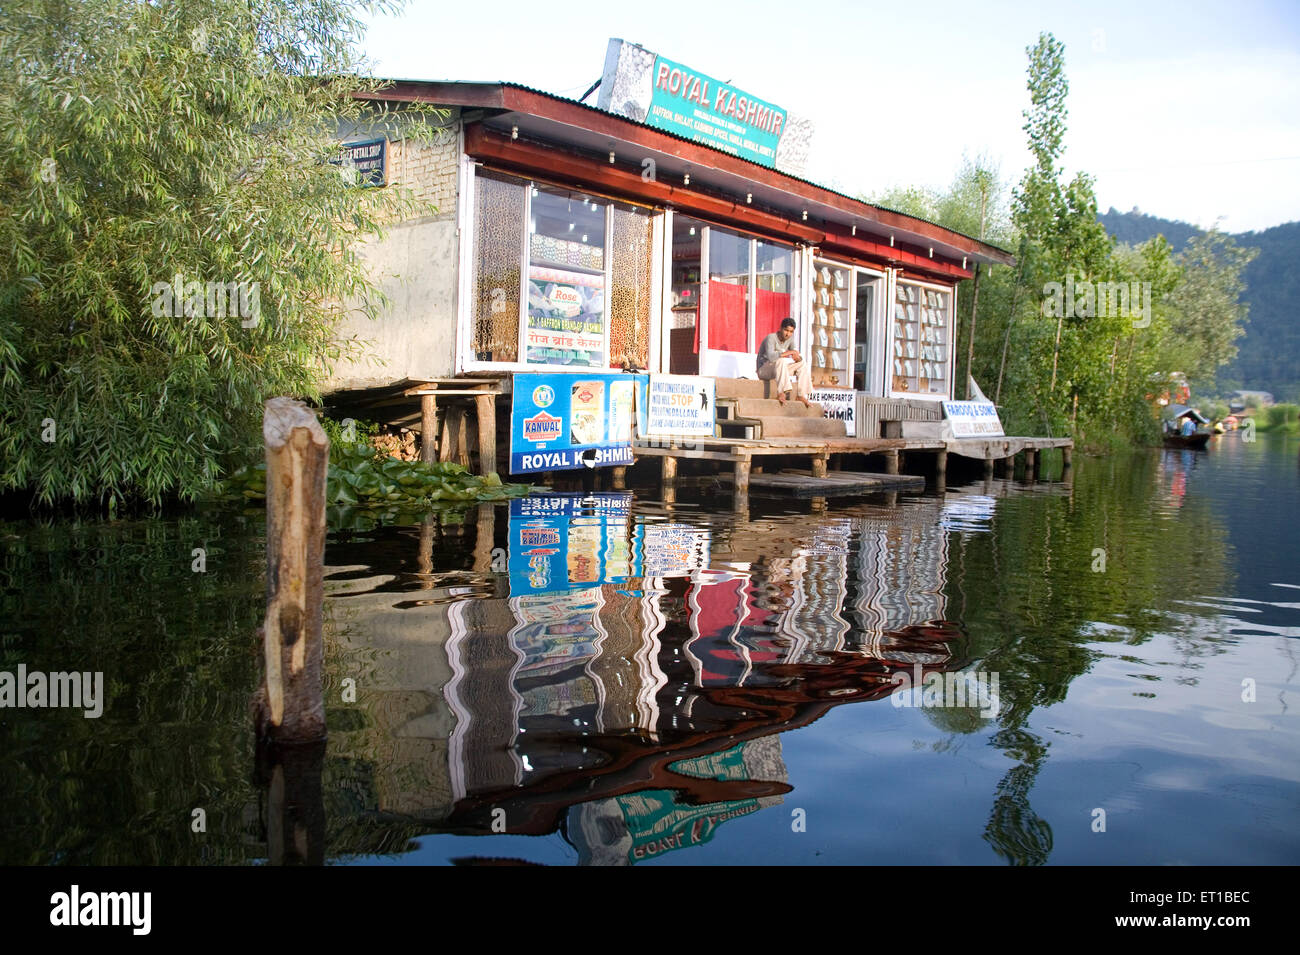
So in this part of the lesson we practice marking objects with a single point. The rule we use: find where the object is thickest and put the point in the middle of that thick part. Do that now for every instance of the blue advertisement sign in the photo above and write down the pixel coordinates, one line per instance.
(705, 110)
(562, 542)
(556, 419)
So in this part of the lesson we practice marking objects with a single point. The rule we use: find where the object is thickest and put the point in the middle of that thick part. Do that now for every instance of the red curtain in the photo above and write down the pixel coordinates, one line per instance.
(727, 318)
(769, 308)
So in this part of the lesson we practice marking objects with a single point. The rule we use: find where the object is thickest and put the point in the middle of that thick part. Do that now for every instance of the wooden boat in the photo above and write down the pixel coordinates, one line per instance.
(1196, 442)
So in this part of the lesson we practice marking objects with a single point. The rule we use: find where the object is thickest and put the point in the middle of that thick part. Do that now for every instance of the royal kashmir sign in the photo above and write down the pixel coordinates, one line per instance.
(561, 422)
(973, 419)
(668, 95)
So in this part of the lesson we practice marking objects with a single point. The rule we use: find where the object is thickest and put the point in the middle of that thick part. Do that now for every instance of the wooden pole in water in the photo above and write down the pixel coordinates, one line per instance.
(487, 433)
(428, 429)
(292, 702)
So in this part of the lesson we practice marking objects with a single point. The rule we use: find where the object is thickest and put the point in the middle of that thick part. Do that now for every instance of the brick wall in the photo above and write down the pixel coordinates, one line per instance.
(429, 169)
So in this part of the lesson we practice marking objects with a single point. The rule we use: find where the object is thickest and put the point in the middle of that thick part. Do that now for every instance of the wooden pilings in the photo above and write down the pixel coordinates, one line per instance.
(291, 703)
(487, 433)
(891, 462)
(428, 429)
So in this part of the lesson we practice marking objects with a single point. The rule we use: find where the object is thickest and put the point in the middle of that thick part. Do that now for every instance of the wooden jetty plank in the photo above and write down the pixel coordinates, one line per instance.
(834, 485)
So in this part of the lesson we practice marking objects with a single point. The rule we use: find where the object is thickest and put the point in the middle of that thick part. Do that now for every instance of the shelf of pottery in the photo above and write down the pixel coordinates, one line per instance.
(920, 344)
(832, 327)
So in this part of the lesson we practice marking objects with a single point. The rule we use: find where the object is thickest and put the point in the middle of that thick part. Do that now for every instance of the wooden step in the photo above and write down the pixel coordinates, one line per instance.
(782, 427)
(740, 388)
(771, 408)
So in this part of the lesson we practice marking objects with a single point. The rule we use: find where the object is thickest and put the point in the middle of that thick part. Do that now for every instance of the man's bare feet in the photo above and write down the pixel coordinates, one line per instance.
(780, 398)
(806, 402)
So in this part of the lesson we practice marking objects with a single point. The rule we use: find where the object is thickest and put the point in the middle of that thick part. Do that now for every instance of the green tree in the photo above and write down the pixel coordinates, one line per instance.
(140, 142)
(1208, 315)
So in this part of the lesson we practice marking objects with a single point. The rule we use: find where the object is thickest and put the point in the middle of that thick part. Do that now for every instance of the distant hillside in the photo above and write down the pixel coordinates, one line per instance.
(1268, 357)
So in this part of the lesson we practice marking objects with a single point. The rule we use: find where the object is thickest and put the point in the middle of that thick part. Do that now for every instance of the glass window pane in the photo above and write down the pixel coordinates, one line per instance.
(728, 291)
(773, 277)
(566, 279)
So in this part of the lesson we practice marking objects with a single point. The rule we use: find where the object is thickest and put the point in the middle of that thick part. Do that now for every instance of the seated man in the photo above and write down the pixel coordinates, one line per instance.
(785, 365)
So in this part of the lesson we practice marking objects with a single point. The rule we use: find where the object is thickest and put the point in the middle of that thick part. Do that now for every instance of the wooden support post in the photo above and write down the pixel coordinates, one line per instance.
(669, 469)
(941, 462)
(1030, 463)
(487, 433)
(428, 429)
(1067, 455)
(891, 462)
(988, 468)
(446, 447)
(742, 477)
(818, 465)
(462, 437)
(291, 702)
(620, 477)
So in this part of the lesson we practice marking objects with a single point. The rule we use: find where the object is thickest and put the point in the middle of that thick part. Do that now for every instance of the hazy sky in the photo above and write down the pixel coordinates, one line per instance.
(1187, 110)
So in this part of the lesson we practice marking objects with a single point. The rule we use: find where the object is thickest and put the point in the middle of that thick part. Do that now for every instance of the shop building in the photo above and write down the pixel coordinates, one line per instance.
(570, 238)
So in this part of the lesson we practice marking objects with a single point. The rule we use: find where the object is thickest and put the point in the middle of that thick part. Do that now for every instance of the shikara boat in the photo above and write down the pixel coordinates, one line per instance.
(1196, 442)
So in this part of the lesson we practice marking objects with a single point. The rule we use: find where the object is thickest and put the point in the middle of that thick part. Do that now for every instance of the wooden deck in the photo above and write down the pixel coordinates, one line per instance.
(835, 484)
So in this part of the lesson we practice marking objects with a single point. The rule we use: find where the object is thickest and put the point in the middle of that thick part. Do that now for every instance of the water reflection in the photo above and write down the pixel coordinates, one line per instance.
(626, 679)
(640, 680)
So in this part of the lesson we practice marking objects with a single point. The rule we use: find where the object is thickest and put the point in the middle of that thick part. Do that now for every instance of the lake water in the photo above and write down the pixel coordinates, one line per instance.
(1098, 671)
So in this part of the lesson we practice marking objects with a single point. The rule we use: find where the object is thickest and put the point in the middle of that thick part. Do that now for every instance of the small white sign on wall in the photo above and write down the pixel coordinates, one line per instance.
(680, 405)
(839, 404)
(973, 419)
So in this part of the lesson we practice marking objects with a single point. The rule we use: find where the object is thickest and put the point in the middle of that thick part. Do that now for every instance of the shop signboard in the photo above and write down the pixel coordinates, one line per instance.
(705, 110)
(839, 404)
(367, 158)
(676, 405)
(559, 422)
(563, 542)
(566, 318)
(662, 93)
(973, 419)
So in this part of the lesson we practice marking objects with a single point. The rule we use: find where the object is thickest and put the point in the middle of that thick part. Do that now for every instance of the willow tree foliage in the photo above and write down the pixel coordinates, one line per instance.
(179, 240)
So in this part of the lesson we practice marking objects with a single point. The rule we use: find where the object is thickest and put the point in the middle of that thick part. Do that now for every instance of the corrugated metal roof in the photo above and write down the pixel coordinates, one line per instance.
(807, 182)
(671, 135)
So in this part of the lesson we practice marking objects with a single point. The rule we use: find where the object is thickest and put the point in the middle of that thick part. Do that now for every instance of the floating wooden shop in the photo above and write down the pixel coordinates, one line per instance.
(667, 230)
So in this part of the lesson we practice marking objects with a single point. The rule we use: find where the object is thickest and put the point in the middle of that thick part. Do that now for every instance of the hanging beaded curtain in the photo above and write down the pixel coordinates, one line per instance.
(629, 300)
(498, 228)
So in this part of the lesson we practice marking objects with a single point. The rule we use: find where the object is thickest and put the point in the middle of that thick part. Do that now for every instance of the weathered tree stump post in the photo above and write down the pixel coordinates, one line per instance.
(819, 465)
(941, 462)
(487, 433)
(891, 462)
(620, 477)
(1030, 464)
(428, 429)
(297, 458)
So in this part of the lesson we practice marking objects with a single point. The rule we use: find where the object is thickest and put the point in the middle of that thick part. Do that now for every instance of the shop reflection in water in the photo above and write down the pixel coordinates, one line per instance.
(631, 687)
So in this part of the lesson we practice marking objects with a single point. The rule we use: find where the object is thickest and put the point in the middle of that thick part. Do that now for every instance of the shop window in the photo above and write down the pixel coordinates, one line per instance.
(773, 268)
(831, 333)
(728, 293)
(499, 231)
(920, 342)
(631, 263)
(565, 318)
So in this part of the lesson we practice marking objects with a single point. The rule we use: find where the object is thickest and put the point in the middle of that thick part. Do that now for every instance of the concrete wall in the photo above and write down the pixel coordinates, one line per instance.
(415, 264)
